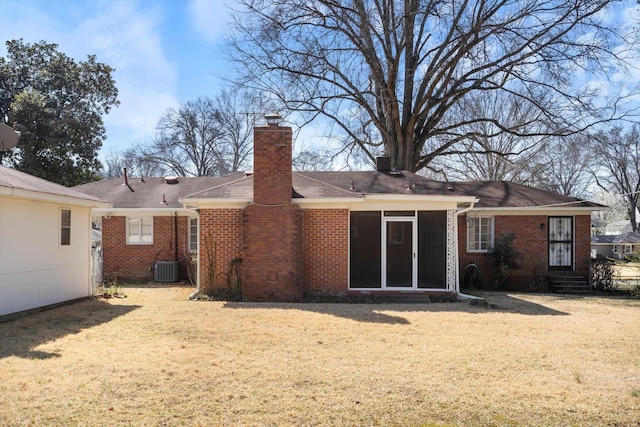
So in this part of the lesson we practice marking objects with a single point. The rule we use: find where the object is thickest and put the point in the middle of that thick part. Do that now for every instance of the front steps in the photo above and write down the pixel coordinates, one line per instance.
(569, 283)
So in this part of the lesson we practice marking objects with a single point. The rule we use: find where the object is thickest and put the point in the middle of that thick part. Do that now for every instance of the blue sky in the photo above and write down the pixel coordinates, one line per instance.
(165, 52)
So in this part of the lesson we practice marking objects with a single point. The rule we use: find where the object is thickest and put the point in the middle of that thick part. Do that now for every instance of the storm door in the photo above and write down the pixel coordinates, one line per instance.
(399, 268)
(561, 243)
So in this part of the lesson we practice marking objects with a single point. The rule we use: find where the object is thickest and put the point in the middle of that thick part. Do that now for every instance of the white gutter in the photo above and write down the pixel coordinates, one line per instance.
(194, 294)
(108, 212)
(48, 197)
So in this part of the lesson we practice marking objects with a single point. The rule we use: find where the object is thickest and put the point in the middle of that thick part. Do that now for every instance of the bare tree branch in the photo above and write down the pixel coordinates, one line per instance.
(408, 66)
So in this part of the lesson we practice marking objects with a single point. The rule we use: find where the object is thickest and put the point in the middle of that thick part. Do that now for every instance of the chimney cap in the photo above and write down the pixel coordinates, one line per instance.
(273, 119)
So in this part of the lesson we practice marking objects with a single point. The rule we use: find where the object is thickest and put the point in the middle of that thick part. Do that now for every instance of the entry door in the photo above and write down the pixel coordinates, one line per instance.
(399, 269)
(561, 243)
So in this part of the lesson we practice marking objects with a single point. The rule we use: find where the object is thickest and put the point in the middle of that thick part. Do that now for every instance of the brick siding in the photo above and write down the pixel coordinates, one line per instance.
(220, 244)
(136, 262)
(532, 242)
(326, 251)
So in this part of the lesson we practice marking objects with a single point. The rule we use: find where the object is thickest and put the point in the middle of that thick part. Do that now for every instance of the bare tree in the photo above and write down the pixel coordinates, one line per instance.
(568, 165)
(619, 159)
(205, 137)
(188, 141)
(403, 66)
(312, 160)
(116, 161)
(239, 112)
(616, 210)
(489, 153)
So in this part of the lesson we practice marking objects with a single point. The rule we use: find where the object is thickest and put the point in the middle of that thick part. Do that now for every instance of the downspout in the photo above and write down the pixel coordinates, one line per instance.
(175, 235)
(457, 261)
(194, 294)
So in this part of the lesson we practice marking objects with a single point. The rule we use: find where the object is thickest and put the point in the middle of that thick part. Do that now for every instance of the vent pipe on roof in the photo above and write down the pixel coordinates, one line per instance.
(126, 180)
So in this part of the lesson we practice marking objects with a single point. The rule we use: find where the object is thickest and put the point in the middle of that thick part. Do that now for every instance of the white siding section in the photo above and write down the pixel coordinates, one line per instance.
(35, 270)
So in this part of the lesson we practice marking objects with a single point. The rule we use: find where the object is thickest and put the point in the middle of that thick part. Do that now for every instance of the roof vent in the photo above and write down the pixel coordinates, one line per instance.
(171, 179)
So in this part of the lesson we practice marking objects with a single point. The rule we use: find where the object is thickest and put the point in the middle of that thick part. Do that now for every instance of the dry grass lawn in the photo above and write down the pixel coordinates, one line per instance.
(156, 359)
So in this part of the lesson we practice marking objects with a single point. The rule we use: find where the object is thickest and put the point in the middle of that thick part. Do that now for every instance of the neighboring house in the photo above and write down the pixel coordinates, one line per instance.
(622, 226)
(45, 242)
(615, 246)
(295, 234)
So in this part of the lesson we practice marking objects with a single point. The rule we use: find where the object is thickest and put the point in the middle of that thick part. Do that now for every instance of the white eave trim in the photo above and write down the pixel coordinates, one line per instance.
(536, 210)
(143, 212)
(422, 198)
(327, 203)
(190, 203)
(51, 198)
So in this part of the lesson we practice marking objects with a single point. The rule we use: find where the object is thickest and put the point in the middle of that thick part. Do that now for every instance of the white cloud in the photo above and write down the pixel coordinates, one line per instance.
(209, 18)
(121, 34)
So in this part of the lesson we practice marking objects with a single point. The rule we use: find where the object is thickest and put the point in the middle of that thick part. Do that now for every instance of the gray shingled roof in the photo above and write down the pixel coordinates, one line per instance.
(616, 239)
(303, 185)
(150, 192)
(332, 184)
(508, 194)
(11, 178)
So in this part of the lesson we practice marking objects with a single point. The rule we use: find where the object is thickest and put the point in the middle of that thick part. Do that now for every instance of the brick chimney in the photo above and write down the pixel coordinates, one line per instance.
(272, 164)
(272, 225)
(383, 163)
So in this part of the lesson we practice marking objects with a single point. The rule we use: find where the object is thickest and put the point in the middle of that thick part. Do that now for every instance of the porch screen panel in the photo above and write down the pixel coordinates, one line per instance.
(432, 249)
(365, 250)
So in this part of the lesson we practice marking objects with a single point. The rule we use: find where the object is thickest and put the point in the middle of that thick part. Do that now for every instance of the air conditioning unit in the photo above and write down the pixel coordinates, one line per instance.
(166, 271)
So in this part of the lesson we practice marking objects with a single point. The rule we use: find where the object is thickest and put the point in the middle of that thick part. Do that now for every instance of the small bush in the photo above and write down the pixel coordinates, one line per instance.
(602, 273)
(505, 257)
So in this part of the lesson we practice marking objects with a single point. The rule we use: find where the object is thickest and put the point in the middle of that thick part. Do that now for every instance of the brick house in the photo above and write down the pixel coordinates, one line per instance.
(278, 235)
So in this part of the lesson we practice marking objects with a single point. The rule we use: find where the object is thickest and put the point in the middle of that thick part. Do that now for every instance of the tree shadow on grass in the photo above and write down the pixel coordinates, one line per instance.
(391, 312)
(19, 337)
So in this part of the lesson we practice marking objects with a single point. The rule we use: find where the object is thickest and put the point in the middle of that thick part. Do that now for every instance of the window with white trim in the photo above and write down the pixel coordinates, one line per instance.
(479, 234)
(65, 227)
(140, 231)
(627, 249)
(193, 234)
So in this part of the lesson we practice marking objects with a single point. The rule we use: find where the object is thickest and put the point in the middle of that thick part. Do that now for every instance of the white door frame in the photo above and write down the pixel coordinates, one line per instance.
(414, 251)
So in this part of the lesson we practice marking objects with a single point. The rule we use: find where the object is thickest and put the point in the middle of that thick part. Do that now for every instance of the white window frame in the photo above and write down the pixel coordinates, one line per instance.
(474, 234)
(140, 238)
(64, 227)
(193, 237)
(627, 249)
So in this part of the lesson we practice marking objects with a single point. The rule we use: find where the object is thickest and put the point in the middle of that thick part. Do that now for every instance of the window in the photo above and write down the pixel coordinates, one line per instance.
(479, 234)
(193, 234)
(65, 227)
(627, 249)
(139, 231)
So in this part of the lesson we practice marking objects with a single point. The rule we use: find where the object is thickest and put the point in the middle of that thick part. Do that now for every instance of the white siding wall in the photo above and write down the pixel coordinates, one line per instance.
(35, 270)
